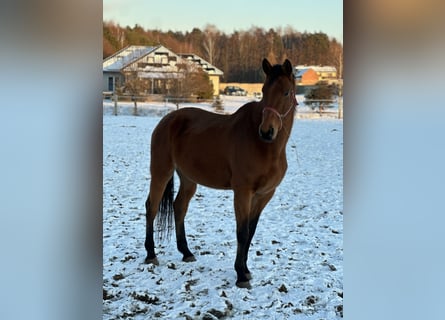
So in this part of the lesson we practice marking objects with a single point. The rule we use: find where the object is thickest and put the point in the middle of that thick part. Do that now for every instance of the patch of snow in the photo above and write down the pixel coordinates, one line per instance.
(296, 256)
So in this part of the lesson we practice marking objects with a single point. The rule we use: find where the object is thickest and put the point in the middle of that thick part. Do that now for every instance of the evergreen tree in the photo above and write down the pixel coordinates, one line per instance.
(320, 97)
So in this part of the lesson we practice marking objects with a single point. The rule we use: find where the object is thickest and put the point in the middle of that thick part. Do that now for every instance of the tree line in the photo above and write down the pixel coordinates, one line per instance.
(238, 54)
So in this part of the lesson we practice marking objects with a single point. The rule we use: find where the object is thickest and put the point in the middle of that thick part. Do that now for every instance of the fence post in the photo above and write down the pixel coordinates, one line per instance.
(115, 104)
(135, 110)
(340, 107)
(340, 100)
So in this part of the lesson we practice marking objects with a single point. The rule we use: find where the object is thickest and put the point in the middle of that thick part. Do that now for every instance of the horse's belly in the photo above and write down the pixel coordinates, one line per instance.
(214, 183)
(207, 173)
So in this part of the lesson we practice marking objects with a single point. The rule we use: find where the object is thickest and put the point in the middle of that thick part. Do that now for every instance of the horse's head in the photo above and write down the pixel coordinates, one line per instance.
(278, 98)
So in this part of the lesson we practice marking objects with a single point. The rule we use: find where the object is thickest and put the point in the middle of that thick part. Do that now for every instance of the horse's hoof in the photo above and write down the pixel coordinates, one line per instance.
(153, 261)
(243, 284)
(189, 259)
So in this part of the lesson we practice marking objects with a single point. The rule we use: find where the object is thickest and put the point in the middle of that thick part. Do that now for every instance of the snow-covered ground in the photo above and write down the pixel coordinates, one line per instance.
(296, 257)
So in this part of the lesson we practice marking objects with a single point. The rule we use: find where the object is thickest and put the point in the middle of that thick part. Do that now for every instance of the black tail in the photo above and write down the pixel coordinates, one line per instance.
(164, 218)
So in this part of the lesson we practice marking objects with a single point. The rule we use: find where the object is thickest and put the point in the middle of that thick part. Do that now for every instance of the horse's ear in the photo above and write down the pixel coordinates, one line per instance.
(287, 66)
(267, 67)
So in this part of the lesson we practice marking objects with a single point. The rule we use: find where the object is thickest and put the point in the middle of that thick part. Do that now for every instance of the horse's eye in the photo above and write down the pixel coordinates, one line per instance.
(286, 93)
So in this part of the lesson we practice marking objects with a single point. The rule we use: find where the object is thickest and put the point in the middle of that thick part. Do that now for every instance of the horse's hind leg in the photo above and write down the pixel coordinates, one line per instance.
(149, 240)
(186, 191)
(157, 188)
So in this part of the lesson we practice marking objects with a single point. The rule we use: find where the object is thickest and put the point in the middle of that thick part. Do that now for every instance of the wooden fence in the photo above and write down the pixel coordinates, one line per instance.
(308, 109)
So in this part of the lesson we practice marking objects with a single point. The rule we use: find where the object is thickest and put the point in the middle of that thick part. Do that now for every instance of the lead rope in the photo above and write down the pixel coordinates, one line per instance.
(294, 104)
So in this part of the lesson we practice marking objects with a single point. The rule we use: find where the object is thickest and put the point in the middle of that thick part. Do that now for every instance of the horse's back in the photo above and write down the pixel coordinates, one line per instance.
(195, 142)
(191, 121)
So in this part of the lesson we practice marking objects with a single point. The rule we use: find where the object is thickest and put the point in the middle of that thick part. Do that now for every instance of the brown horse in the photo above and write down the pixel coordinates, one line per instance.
(245, 152)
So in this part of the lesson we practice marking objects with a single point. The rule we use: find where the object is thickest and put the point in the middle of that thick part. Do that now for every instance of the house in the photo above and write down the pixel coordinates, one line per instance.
(156, 65)
(114, 65)
(324, 73)
(306, 77)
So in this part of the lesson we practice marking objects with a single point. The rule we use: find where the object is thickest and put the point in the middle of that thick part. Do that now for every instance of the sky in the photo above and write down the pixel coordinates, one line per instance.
(229, 15)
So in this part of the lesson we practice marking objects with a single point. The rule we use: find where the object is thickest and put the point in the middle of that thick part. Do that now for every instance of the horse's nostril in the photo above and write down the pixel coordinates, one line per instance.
(268, 135)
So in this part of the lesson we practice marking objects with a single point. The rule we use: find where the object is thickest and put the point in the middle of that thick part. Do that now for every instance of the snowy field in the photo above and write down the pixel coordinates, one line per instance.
(296, 257)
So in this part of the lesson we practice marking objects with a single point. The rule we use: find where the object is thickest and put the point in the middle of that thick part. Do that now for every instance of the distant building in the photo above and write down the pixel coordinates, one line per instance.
(306, 77)
(324, 73)
(155, 64)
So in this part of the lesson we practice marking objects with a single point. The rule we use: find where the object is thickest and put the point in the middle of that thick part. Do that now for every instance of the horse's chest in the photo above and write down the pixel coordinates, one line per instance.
(271, 177)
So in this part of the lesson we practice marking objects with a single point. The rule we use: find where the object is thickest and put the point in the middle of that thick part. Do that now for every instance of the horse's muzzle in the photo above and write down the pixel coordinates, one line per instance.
(267, 136)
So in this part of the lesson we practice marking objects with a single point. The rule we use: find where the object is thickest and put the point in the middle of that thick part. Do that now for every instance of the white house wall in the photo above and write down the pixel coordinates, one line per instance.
(117, 81)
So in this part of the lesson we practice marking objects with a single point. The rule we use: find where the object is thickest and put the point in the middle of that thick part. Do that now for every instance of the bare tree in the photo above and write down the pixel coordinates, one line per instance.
(337, 56)
(193, 82)
(210, 39)
(134, 86)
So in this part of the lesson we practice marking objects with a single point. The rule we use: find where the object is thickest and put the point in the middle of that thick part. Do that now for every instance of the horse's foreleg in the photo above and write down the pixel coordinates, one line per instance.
(242, 210)
(251, 231)
(186, 191)
(243, 274)
(258, 204)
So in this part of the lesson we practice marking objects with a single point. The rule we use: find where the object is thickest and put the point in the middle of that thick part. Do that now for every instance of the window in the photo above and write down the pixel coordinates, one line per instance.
(110, 84)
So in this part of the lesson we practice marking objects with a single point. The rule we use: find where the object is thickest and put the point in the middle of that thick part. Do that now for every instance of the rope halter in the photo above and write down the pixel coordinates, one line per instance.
(280, 116)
